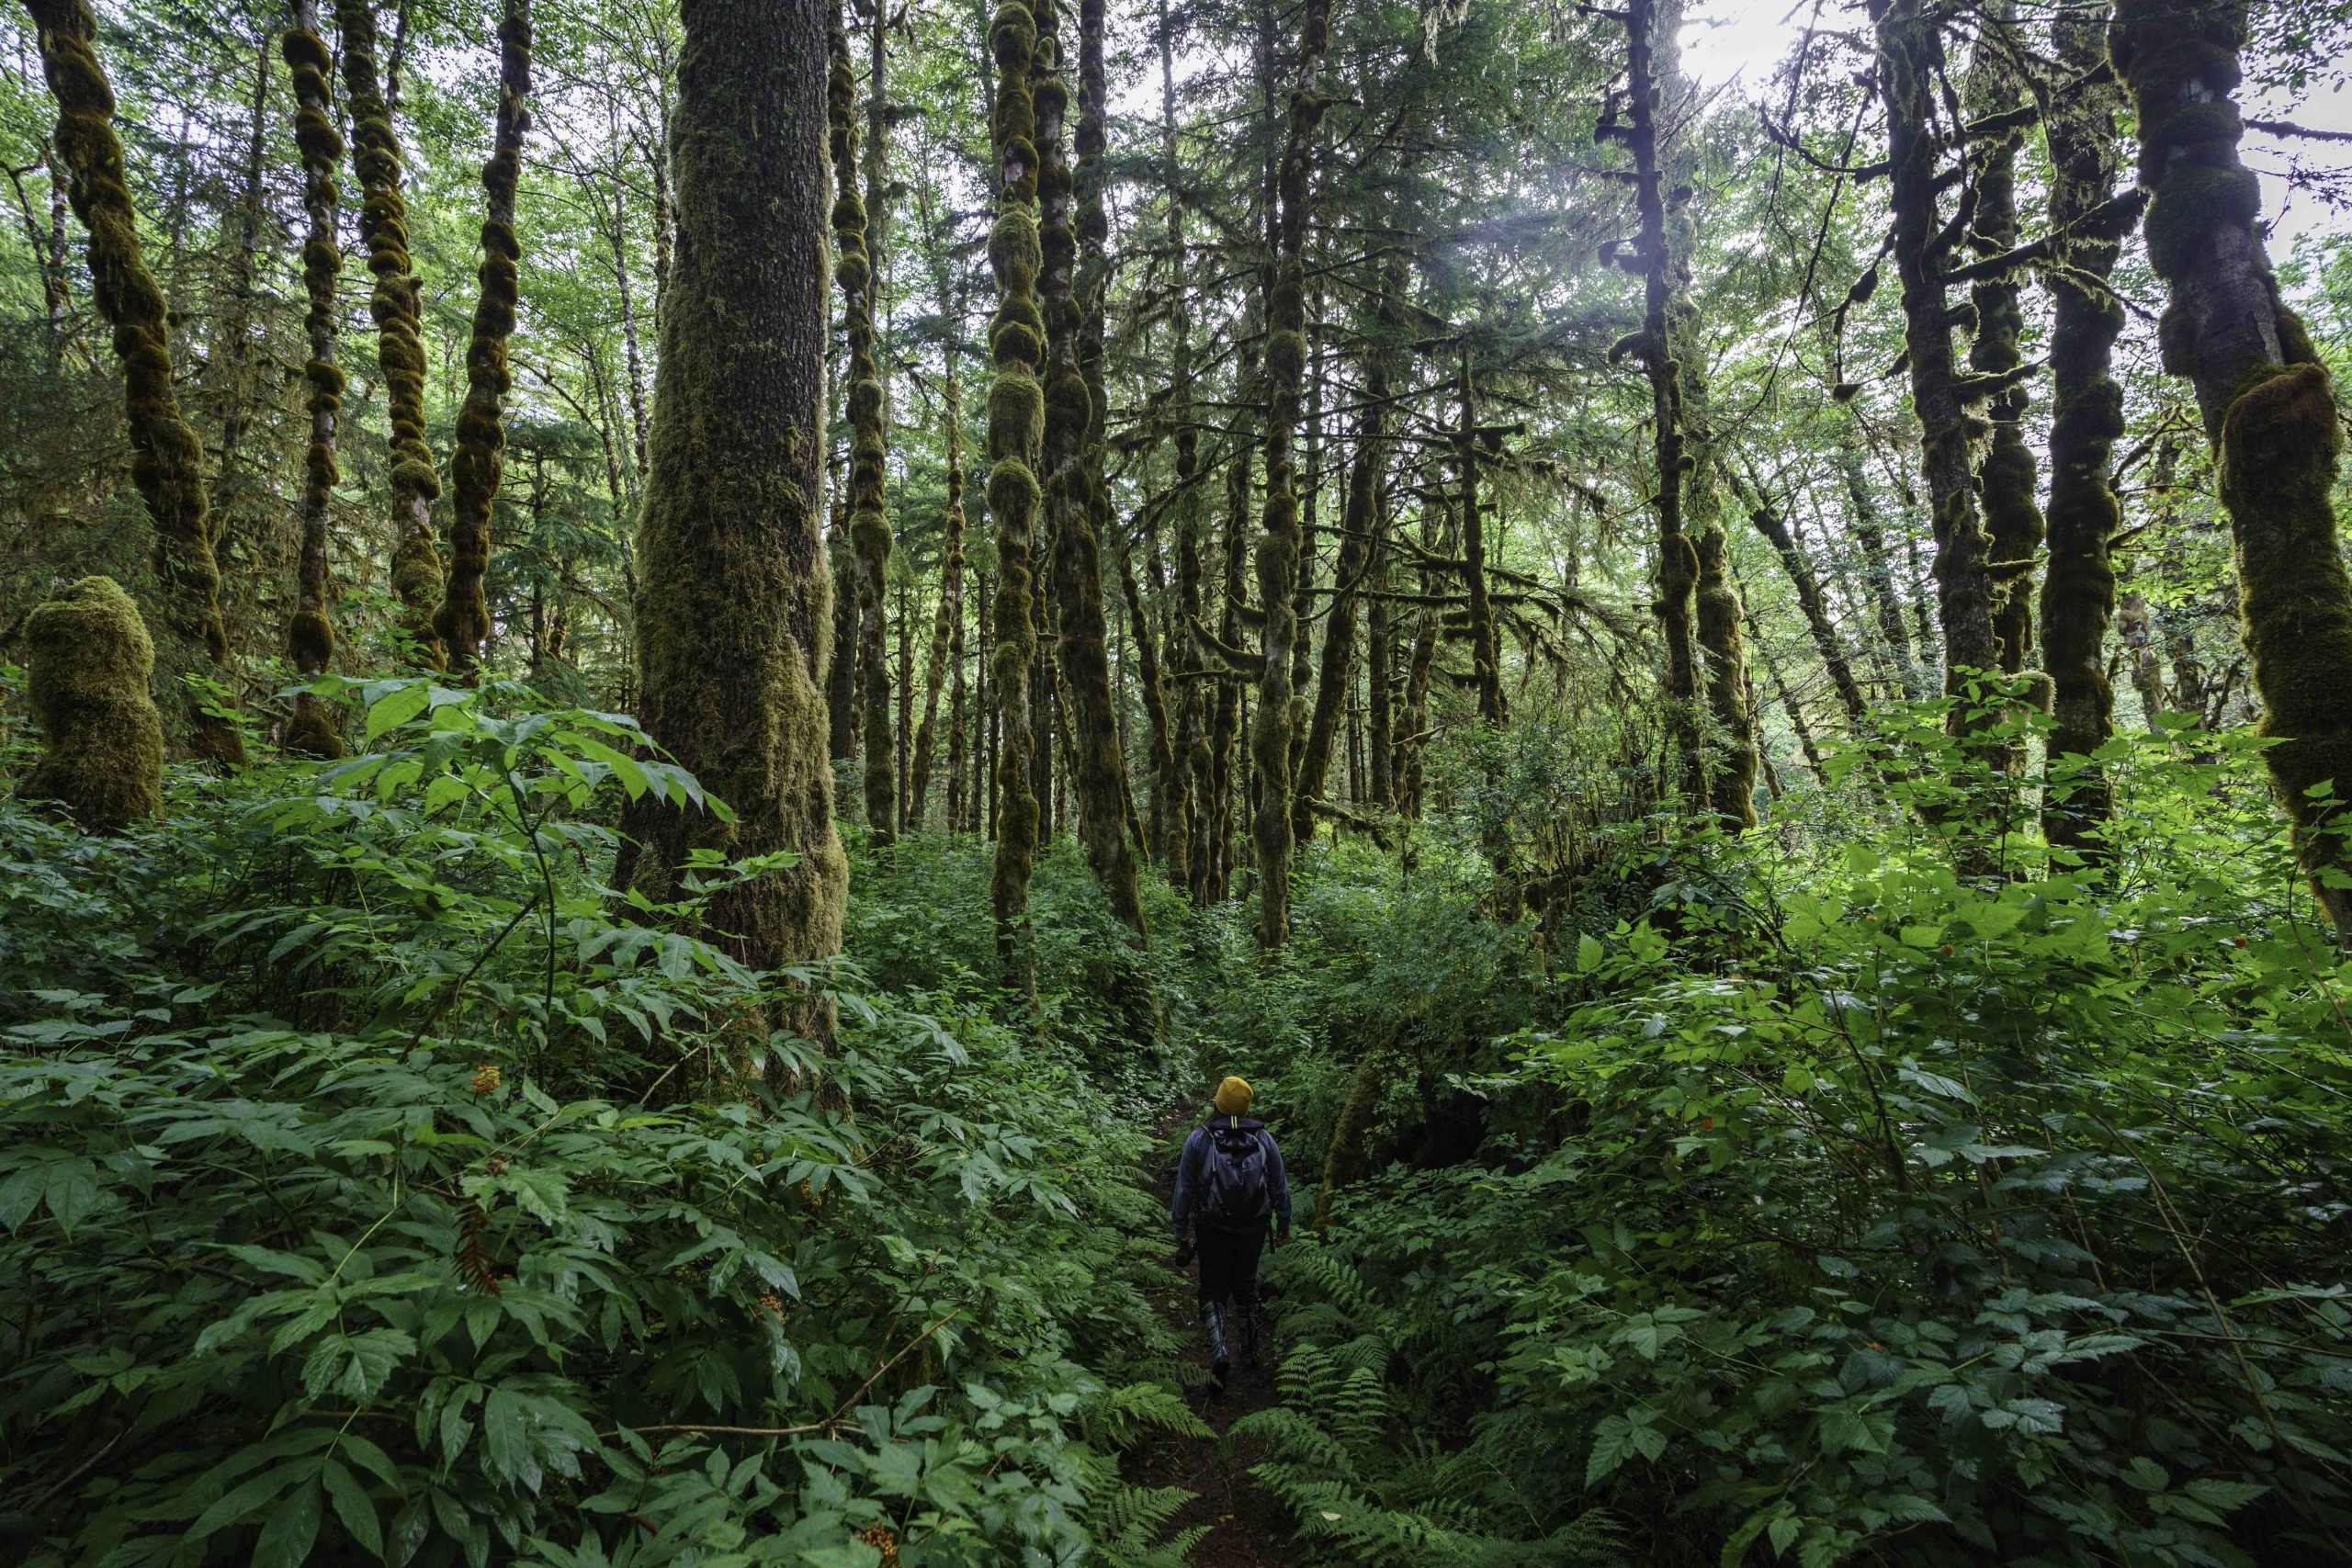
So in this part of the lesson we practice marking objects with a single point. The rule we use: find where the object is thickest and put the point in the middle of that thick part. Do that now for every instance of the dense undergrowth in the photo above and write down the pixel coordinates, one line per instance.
(378, 1184)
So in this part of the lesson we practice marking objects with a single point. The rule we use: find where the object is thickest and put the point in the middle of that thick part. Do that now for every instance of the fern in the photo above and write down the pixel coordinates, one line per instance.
(1119, 1416)
(1126, 1522)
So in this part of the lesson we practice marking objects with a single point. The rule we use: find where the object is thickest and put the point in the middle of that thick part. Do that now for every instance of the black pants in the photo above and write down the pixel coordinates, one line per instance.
(1229, 1264)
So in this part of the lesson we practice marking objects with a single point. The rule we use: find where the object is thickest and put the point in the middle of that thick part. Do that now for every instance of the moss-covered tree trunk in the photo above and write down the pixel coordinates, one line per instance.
(1647, 23)
(733, 608)
(945, 643)
(1278, 550)
(479, 461)
(1911, 71)
(167, 459)
(1016, 432)
(400, 348)
(1184, 788)
(841, 673)
(2087, 420)
(2269, 405)
(869, 525)
(89, 667)
(314, 727)
(1071, 216)
(2007, 478)
(1379, 677)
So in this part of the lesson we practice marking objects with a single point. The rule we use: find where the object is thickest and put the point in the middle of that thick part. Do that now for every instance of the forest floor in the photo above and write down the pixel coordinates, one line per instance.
(1248, 1529)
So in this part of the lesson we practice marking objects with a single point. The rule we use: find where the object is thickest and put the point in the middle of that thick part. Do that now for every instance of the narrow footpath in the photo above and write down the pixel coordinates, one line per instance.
(1247, 1527)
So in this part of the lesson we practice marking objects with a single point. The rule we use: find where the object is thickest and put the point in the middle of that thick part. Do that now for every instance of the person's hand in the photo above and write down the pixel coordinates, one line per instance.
(1184, 1255)
(1277, 1240)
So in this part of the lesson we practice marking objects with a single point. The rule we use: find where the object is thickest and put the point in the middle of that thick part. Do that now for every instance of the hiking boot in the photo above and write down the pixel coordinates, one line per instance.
(1249, 1339)
(1220, 1360)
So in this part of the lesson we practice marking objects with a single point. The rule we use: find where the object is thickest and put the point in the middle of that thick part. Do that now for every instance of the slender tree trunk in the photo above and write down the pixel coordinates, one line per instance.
(2087, 420)
(1911, 68)
(869, 525)
(168, 460)
(1787, 699)
(1016, 430)
(1358, 544)
(2006, 479)
(732, 614)
(1379, 679)
(1278, 551)
(1826, 641)
(1648, 23)
(1878, 573)
(400, 349)
(2269, 409)
(237, 391)
(632, 357)
(314, 727)
(946, 628)
(463, 620)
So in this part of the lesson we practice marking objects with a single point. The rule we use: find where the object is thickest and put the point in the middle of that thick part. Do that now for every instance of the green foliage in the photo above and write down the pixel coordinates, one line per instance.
(351, 1211)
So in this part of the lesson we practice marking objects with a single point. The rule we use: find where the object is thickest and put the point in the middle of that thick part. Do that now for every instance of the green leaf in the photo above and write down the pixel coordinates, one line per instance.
(398, 705)
(72, 1191)
(293, 1525)
(1590, 953)
(353, 1507)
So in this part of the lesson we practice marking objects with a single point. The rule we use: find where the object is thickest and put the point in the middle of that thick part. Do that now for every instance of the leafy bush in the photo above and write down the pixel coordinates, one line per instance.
(446, 1270)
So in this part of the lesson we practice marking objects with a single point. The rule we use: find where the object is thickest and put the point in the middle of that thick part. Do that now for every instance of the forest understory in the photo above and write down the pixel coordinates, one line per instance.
(676, 674)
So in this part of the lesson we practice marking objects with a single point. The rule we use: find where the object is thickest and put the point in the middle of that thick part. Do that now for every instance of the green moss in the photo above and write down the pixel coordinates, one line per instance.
(88, 665)
(2194, 201)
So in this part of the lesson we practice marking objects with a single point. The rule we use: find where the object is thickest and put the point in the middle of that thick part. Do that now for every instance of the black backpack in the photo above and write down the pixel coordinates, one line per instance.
(1239, 1195)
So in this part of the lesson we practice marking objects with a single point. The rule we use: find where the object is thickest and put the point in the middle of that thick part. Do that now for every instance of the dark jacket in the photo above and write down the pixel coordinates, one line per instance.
(1192, 1173)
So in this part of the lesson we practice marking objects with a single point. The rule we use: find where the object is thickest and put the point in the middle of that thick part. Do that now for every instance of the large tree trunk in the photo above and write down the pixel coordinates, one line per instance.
(869, 526)
(1016, 430)
(400, 348)
(314, 727)
(2269, 408)
(168, 460)
(733, 606)
(2087, 420)
(463, 619)
(1072, 287)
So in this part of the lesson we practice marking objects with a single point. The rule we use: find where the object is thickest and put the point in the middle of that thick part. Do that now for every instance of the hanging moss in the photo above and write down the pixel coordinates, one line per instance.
(88, 665)
(462, 621)
(733, 608)
(314, 727)
(167, 459)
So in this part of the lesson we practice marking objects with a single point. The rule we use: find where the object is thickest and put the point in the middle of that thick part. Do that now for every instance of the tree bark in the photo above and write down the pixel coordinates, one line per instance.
(167, 459)
(400, 348)
(314, 727)
(463, 619)
(733, 611)
(2269, 405)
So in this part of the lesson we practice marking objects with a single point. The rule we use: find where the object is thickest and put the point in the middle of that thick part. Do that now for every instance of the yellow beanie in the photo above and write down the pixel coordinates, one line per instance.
(1233, 1096)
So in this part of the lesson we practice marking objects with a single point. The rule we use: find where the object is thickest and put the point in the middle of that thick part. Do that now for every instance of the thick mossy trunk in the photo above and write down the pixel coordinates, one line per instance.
(2087, 420)
(400, 348)
(479, 461)
(2005, 479)
(1911, 70)
(1016, 433)
(1279, 543)
(869, 526)
(2269, 405)
(167, 459)
(946, 624)
(1732, 754)
(734, 603)
(314, 727)
(1071, 287)
(88, 667)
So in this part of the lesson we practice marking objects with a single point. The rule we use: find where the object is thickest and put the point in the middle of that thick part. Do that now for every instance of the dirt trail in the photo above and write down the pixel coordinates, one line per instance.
(1248, 1527)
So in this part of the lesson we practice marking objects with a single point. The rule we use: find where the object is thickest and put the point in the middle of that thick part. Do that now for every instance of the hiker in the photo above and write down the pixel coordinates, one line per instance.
(1230, 1190)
